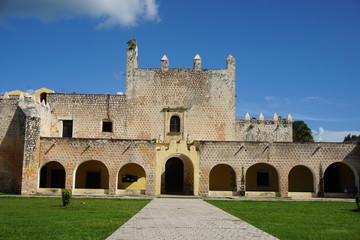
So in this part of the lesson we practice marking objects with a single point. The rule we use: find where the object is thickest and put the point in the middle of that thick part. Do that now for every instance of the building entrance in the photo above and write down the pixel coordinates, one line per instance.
(174, 176)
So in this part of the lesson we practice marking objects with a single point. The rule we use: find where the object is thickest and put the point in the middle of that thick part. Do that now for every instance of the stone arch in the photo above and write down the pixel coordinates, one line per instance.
(339, 176)
(131, 179)
(262, 177)
(52, 175)
(301, 179)
(222, 177)
(177, 176)
(92, 174)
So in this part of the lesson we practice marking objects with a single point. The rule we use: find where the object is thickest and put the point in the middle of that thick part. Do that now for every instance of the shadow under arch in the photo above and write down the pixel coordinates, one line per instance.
(262, 177)
(52, 175)
(222, 177)
(339, 176)
(91, 174)
(301, 179)
(132, 179)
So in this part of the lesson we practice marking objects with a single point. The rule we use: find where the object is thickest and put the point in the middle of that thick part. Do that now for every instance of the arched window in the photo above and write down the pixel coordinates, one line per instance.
(174, 124)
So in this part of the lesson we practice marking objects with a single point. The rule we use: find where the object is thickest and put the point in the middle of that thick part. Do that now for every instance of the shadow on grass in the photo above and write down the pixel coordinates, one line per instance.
(356, 210)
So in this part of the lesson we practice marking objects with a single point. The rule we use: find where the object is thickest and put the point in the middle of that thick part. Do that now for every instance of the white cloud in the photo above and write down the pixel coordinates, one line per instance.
(30, 91)
(323, 135)
(119, 75)
(110, 12)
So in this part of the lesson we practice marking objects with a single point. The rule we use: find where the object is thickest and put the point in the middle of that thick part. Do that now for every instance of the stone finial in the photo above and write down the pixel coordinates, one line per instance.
(275, 117)
(21, 97)
(261, 117)
(289, 117)
(230, 62)
(6, 95)
(197, 62)
(247, 116)
(164, 63)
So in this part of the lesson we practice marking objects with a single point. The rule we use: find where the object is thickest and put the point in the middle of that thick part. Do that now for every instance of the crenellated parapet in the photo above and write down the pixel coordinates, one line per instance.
(258, 129)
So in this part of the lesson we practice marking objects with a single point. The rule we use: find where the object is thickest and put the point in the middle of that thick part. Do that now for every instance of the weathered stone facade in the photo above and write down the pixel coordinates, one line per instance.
(174, 132)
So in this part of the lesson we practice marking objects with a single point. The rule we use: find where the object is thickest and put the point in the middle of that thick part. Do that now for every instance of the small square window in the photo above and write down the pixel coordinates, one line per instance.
(107, 126)
(67, 128)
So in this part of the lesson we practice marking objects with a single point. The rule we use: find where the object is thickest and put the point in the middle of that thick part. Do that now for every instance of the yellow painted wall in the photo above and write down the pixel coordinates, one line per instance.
(89, 166)
(180, 150)
(301, 180)
(36, 92)
(132, 169)
(251, 178)
(222, 178)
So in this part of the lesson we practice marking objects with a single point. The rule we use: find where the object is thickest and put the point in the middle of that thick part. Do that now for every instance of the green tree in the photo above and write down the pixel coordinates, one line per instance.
(301, 132)
(351, 138)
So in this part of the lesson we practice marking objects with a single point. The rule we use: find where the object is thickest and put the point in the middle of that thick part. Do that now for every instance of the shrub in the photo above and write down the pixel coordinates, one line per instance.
(66, 196)
(357, 201)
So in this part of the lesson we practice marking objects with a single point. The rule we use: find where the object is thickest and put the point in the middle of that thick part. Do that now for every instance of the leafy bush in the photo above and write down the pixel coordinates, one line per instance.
(66, 196)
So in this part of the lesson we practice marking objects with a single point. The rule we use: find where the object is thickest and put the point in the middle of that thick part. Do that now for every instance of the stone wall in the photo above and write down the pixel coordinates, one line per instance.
(11, 145)
(282, 156)
(203, 99)
(264, 130)
(30, 123)
(88, 112)
(70, 153)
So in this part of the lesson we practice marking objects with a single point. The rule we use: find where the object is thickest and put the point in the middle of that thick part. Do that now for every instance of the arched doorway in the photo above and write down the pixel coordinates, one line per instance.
(337, 177)
(222, 180)
(301, 181)
(174, 176)
(131, 179)
(92, 175)
(262, 180)
(178, 176)
(52, 175)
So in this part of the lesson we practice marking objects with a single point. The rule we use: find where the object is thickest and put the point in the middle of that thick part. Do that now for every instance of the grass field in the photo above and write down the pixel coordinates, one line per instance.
(298, 220)
(46, 218)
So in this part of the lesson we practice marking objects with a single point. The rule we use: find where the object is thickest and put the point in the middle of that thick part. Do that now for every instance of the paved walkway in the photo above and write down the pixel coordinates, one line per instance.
(172, 219)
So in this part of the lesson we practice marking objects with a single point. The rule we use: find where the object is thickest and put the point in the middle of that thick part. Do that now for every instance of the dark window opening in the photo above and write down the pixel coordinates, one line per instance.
(93, 180)
(57, 178)
(174, 124)
(43, 96)
(107, 127)
(67, 128)
(263, 179)
(129, 178)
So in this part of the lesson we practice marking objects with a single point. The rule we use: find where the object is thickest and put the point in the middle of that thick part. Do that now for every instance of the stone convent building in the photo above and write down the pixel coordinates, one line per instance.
(174, 132)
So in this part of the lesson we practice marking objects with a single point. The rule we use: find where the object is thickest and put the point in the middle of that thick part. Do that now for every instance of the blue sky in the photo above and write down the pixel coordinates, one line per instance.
(292, 56)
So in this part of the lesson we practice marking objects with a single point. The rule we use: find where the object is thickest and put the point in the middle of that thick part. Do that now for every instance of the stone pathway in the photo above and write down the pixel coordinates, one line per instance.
(172, 219)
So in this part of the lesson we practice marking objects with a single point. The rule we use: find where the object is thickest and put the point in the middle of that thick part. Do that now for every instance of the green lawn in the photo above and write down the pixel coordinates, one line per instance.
(46, 218)
(298, 220)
